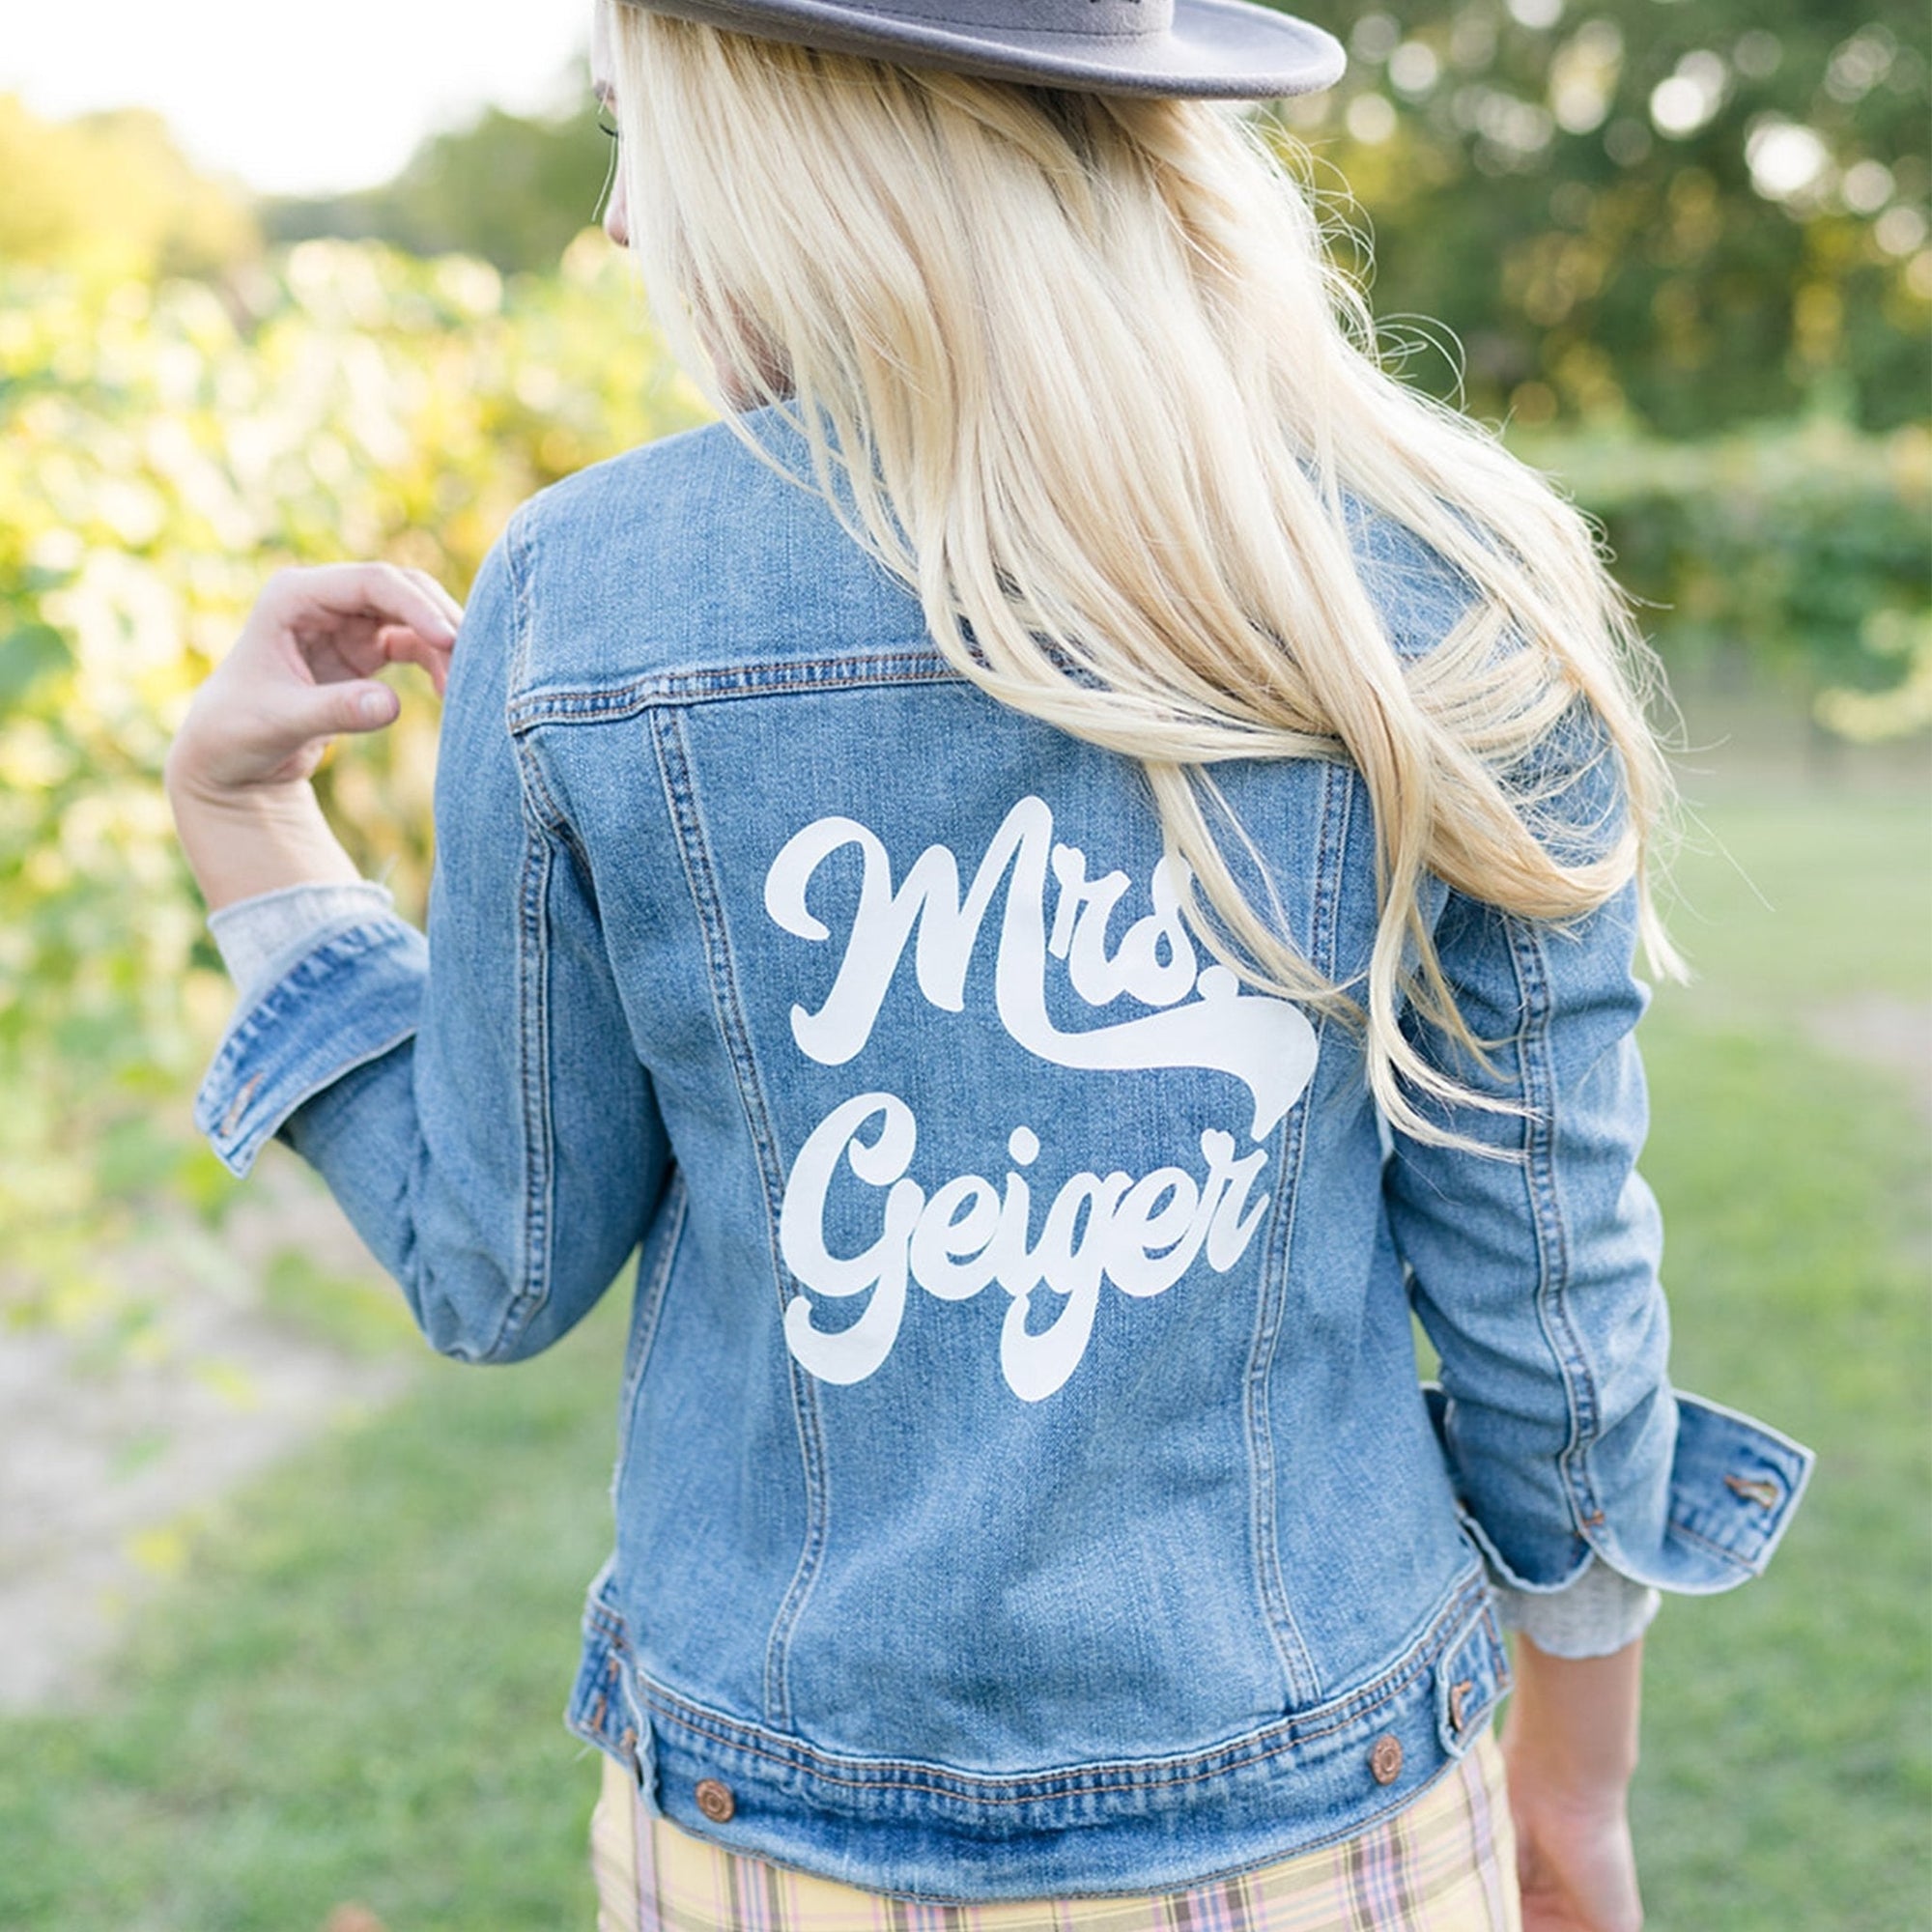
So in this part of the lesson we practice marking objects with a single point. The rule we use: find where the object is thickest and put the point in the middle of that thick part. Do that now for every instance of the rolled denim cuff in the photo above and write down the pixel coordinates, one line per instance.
(260, 938)
(1733, 1484)
(351, 999)
(1600, 1612)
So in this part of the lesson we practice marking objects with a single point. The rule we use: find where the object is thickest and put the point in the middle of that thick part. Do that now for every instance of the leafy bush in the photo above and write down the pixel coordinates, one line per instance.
(111, 195)
(160, 451)
(510, 190)
(1801, 548)
(1690, 216)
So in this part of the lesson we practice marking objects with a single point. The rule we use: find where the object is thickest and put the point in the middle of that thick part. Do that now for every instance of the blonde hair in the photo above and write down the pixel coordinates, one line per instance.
(1080, 371)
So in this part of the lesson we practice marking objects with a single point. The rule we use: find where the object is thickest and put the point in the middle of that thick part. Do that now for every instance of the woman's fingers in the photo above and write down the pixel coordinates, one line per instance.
(340, 621)
(447, 604)
(304, 669)
(294, 717)
(333, 600)
(282, 733)
(400, 644)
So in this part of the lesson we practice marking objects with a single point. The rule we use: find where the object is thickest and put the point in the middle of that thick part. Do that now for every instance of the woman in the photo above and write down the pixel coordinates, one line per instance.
(1060, 872)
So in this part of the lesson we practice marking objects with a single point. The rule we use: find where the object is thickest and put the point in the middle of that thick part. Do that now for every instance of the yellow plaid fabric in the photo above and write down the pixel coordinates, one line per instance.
(1447, 1863)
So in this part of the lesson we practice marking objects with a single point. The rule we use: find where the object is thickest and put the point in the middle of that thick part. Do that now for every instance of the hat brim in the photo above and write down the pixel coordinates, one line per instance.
(1226, 49)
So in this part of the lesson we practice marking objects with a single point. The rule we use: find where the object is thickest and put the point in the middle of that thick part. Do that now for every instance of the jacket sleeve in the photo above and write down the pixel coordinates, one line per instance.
(472, 1100)
(1535, 1273)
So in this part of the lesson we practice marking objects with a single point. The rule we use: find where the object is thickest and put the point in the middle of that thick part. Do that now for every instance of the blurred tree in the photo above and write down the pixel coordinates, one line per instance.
(510, 190)
(1696, 215)
(1691, 217)
(110, 195)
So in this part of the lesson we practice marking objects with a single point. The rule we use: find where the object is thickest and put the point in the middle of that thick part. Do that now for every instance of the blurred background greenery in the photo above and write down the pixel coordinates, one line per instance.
(1679, 255)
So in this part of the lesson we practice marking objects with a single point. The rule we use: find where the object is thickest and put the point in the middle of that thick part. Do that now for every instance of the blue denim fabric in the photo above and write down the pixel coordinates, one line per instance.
(1024, 1485)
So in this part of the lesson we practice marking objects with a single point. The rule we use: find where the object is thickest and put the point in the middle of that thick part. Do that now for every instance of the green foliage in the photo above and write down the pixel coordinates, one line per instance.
(512, 192)
(1696, 215)
(111, 195)
(1799, 548)
(1691, 217)
(160, 451)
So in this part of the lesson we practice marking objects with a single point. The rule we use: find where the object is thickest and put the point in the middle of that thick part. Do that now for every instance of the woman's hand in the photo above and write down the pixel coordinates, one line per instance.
(1570, 1741)
(304, 669)
(301, 670)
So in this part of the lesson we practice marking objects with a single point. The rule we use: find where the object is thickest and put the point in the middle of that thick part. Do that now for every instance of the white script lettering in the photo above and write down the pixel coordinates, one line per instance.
(1266, 1043)
(1143, 1235)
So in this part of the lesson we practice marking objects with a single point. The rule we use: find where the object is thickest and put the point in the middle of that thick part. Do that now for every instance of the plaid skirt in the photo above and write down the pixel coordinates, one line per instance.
(1446, 1863)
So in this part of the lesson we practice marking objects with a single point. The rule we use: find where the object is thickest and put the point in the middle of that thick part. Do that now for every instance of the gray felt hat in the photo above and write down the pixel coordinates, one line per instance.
(1232, 48)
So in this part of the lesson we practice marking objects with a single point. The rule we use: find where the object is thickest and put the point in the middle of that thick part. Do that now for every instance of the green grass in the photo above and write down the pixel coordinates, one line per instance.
(1787, 896)
(1787, 1775)
(356, 1695)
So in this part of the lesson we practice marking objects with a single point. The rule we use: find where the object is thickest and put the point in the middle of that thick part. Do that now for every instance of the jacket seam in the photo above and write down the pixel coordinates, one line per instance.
(651, 1307)
(1539, 1084)
(1679, 1528)
(334, 1080)
(533, 1079)
(1235, 1875)
(596, 703)
(536, 788)
(533, 1291)
(1283, 1632)
(1304, 1683)
(688, 826)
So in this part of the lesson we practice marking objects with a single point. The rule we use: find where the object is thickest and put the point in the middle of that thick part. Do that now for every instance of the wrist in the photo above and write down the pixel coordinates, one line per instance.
(242, 842)
(1556, 1787)
(192, 776)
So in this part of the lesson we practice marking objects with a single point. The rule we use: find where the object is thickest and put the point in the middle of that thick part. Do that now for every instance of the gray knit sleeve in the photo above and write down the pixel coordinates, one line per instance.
(260, 938)
(1601, 1612)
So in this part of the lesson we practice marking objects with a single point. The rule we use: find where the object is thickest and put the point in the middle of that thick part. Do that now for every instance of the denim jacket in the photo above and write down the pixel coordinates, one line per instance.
(1024, 1483)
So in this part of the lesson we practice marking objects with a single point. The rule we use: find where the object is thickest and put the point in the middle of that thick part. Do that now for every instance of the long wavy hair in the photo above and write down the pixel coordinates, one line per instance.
(1080, 371)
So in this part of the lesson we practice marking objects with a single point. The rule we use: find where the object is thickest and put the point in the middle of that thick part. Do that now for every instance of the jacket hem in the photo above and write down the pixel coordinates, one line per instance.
(918, 1829)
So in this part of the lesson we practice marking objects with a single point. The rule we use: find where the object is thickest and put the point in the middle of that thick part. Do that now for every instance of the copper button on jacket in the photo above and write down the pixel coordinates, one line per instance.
(715, 1800)
(1386, 1759)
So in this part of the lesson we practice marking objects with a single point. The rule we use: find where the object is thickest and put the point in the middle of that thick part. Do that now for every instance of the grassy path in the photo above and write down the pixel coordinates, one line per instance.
(356, 1694)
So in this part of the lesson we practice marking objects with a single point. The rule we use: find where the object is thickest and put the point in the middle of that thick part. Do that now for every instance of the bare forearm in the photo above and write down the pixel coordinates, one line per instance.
(1572, 1726)
(1569, 1741)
